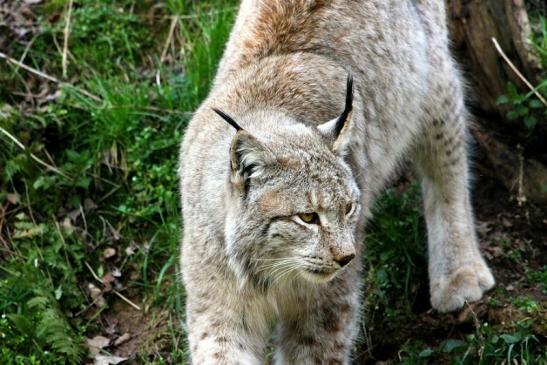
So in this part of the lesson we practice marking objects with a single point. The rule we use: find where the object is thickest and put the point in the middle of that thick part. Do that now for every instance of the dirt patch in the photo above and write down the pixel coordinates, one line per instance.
(129, 333)
(513, 239)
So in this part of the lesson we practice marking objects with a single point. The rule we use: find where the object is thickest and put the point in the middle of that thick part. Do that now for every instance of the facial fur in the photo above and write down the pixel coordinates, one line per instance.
(301, 176)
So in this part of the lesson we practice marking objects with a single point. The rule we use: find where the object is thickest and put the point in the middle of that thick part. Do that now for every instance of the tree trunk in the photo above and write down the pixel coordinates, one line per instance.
(513, 157)
(473, 24)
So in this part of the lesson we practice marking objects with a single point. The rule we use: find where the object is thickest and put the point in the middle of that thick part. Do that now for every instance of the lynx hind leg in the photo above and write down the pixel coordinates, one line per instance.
(457, 271)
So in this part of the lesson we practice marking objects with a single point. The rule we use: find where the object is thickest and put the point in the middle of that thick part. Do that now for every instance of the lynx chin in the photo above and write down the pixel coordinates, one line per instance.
(315, 105)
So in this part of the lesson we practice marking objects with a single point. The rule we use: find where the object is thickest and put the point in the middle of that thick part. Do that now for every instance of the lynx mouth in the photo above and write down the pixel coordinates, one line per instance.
(317, 275)
(321, 271)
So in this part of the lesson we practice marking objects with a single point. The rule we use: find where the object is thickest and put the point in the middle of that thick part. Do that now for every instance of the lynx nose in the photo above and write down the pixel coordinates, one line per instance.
(344, 260)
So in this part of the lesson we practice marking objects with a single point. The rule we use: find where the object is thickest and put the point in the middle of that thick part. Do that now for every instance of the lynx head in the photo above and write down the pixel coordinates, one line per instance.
(292, 200)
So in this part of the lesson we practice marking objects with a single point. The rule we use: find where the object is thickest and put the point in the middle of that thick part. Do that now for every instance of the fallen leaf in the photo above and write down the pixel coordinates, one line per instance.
(116, 272)
(130, 250)
(108, 360)
(90, 204)
(96, 344)
(96, 294)
(13, 198)
(108, 279)
(109, 252)
(74, 214)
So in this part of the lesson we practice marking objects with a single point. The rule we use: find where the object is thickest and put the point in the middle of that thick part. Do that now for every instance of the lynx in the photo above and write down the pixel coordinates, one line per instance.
(315, 106)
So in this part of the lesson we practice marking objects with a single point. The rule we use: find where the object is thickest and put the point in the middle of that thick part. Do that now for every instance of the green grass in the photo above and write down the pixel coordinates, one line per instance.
(487, 346)
(396, 296)
(118, 154)
(395, 255)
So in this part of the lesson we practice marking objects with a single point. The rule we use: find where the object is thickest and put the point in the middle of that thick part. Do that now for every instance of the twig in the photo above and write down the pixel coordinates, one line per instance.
(27, 48)
(32, 155)
(93, 272)
(517, 72)
(49, 157)
(88, 306)
(3, 209)
(169, 36)
(63, 241)
(84, 92)
(83, 218)
(121, 296)
(50, 78)
(29, 205)
(172, 27)
(66, 34)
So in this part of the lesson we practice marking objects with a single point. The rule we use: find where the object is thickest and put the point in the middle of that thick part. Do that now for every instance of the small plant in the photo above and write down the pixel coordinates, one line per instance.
(539, 276)
(488, 346)
(527, 305)
(524, 106)
(395, 258)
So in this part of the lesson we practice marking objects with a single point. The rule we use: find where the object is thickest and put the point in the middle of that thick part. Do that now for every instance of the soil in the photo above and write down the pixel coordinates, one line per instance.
(513, 239)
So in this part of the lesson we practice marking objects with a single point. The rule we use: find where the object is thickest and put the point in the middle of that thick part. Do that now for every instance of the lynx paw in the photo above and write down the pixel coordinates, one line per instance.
(468, 283)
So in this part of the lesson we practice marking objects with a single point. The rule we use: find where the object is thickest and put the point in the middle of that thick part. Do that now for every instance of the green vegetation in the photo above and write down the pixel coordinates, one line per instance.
(526, 106)
(487, 346)
(105, 221)
(117, 151)
(396, 296)
(395, 254)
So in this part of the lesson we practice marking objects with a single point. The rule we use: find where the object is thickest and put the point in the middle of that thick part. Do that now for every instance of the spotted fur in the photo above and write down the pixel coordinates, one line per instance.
(253, 270)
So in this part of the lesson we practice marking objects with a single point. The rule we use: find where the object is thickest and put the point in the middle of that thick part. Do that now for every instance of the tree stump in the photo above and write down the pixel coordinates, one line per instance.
(473, 24)
(514, 156)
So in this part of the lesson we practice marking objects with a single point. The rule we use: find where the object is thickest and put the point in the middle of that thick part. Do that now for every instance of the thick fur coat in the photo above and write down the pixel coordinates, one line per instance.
(274, 209)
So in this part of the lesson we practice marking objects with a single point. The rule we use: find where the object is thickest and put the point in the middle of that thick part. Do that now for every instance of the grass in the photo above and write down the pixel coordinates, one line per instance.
(120, 157)
(396, 297)
(114, 213)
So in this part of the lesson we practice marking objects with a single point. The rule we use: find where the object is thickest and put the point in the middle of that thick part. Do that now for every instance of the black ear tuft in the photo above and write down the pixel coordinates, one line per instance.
(228, 119)
(342, 119)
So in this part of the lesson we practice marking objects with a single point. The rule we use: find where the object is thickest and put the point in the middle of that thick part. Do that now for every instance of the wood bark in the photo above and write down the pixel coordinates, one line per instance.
(473, 24)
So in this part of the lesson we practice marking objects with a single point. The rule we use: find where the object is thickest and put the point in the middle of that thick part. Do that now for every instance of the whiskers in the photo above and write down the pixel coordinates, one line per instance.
(279, 269)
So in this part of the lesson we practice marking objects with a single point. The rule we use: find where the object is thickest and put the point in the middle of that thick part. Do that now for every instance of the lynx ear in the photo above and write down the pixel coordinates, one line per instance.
(337, 129)
(248, 157)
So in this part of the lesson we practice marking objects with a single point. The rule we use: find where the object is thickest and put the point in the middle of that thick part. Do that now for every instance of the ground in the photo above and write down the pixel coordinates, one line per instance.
(90, 226)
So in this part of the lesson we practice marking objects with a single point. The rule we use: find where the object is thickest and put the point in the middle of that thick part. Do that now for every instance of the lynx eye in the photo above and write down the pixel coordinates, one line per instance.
(309, 218)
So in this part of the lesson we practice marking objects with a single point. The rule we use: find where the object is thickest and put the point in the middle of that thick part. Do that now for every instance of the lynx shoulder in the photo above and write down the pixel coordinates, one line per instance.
(315, 105)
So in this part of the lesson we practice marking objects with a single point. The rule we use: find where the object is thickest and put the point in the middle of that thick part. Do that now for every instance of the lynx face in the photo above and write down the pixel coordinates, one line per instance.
(294, 203)
(295, 212)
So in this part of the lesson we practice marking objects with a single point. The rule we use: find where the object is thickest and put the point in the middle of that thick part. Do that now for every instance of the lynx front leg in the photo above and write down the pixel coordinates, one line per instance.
(324, 335)
(457, 271)
(217, 337)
